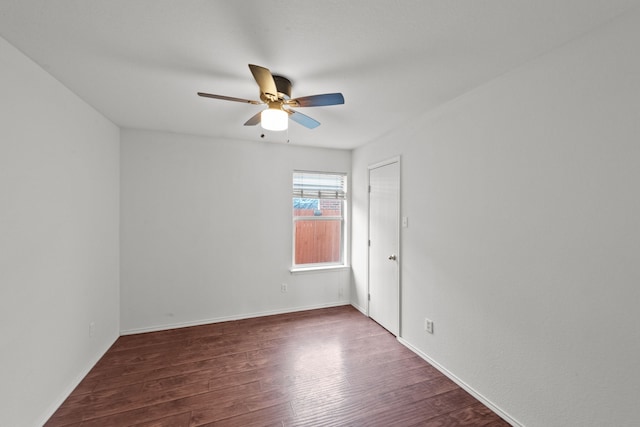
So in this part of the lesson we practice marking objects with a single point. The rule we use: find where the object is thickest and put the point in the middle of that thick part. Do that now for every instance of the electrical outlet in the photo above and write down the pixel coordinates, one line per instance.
(428, 325)
(92, 329)
(283, 288)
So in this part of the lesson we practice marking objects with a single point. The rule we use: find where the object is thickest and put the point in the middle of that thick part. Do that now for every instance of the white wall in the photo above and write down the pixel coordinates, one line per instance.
(59, 206)
(206, 230)
(524, 242)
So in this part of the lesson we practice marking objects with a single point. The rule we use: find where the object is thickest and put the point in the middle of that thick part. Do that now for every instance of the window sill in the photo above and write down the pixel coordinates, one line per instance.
(298, 270)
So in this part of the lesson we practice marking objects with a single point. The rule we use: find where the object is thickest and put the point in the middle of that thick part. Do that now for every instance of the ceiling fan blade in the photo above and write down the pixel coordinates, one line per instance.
(228, 98)
(265, 80)
(254, 120)
(303, 119)
(317, 100)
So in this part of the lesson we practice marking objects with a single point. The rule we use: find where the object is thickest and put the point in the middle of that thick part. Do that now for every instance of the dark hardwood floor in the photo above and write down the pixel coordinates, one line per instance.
(328, 367)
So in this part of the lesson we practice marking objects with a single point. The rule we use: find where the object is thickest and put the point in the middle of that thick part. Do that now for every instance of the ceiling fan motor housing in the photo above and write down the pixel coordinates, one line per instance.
(283, 85)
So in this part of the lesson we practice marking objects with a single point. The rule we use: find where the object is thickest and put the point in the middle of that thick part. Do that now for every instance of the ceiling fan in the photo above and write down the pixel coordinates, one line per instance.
(275, 92)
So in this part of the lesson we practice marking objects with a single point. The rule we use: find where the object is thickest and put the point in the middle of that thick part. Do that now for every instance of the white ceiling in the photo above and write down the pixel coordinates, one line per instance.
(141, 62)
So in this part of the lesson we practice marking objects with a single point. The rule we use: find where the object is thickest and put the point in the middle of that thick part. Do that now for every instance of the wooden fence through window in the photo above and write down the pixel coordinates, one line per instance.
(317, 240)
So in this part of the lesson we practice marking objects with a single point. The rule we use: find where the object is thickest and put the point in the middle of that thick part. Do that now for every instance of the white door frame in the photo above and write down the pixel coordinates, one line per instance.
(392, 160)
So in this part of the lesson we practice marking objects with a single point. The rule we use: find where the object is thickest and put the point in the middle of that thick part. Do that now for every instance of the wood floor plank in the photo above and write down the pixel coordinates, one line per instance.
(271, 416)
(327, 367)
(105, 407)
(178, 420)
(215, 366)
(227, 401)
(476, 415)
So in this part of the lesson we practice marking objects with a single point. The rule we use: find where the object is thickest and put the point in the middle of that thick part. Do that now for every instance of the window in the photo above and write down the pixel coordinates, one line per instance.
(319, 206)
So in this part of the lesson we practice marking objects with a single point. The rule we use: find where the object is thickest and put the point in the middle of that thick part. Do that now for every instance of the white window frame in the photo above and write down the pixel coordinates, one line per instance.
(343, 198)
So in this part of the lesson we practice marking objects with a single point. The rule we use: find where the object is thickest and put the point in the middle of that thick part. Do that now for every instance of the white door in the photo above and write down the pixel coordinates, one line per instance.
(384, 229)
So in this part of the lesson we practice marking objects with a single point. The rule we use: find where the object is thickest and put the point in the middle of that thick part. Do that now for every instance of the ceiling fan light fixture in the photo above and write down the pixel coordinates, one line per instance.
(274, 119)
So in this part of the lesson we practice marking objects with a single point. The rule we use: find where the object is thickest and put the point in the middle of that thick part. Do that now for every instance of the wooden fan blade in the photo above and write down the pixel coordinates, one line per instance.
(228, 98)
(303, 119)
(254, 120)
(317, 100)
(264, 78)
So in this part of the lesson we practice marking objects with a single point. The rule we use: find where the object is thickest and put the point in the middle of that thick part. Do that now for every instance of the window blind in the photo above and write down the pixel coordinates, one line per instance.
(319, 185)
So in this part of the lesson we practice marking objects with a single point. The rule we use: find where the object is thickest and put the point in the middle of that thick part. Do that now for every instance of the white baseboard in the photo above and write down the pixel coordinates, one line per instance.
(72, 385)
(360, 309)
(463, 385)
(228, 318)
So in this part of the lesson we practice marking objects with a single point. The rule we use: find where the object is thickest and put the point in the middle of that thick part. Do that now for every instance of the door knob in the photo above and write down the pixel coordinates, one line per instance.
(393, 257)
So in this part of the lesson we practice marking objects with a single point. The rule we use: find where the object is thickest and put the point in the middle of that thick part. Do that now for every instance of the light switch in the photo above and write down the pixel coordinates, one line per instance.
(405, 222)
